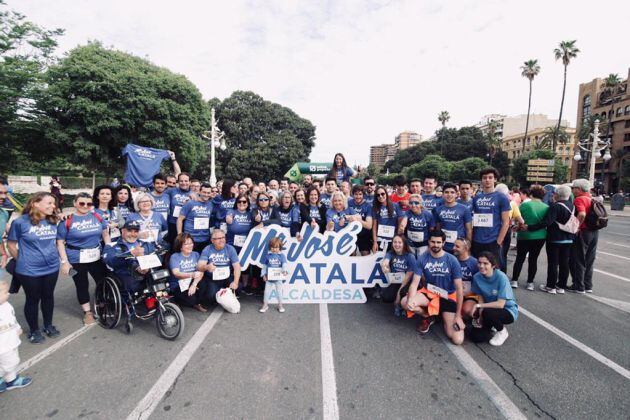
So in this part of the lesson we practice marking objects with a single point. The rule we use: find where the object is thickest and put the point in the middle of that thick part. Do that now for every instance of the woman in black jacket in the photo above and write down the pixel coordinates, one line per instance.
(312, 212)
(558, 241)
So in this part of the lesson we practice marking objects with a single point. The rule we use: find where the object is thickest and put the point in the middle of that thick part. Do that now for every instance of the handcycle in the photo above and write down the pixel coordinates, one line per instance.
(152, 302)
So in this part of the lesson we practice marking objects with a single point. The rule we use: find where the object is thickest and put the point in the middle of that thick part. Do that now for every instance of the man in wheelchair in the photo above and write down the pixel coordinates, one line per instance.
(120, 257)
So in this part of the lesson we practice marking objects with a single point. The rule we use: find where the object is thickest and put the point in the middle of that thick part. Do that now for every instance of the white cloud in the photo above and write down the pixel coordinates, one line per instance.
(361, 71)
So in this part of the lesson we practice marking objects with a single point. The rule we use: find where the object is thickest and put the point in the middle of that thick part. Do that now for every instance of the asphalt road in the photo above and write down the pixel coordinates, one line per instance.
(568, 356)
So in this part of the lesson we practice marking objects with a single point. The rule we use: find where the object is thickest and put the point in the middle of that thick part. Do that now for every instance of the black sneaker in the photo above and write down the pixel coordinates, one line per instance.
(248, 291)
(51, 331)
(573, 289)
(36, 337)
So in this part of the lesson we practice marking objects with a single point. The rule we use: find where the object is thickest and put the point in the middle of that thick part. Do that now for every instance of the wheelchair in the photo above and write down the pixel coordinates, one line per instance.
(112, 301)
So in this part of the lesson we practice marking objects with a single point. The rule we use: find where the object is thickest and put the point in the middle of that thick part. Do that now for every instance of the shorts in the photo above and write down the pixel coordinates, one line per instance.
(446, 305)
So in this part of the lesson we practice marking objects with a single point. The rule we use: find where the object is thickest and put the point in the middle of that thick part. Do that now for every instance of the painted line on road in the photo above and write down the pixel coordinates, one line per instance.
(617, 233)
(150, 401)
(617, 304)
(611, 274)
(329, 382)
(501, 401)
(616, 244)
(613, 255)
(586, 349)
(50, 350)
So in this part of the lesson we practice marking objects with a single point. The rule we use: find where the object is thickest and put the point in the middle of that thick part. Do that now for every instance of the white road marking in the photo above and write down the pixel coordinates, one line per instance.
(616, 244)
(617, 233)
(50, 350)
(329, 382)
(617, 304)
(487, 385)
(586, 349)
(610, 274)
(613, 255)
(150, 401)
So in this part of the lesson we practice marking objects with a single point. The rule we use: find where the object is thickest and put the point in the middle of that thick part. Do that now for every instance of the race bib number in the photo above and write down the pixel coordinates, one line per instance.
(176, 211)
(385, 231)
(149, 261)
(239, 240)
(114, 233)
(275, 274)
(451, 235)
(89, 255)
(200, 223)
(221, 273)
(482, 220)
(395, 278)
(437, 290)
(415, 236)
(184, 284)
(466, 286)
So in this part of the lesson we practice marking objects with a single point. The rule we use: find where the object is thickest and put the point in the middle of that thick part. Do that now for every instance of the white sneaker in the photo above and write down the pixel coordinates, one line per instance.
(263, 309)
(549, 290)
(281, 309)
(499, 338)
(530, 286)
(560, 290)
(514, 284)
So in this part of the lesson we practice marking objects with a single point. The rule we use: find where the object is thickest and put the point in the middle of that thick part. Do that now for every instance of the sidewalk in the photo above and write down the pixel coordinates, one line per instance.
(617, 213)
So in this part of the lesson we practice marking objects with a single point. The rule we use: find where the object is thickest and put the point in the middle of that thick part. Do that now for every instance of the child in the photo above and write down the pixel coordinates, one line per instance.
(274, 271)
(9, 341)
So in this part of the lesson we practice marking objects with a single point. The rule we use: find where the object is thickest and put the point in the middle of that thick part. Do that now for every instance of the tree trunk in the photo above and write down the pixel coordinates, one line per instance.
(529, 105)
(555, 134)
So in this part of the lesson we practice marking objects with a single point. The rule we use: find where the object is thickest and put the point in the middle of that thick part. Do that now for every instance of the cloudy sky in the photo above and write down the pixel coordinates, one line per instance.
(361, 70)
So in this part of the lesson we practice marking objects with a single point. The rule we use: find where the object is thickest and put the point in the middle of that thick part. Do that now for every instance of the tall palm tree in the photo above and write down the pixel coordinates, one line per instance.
(546, 139)
(529, 69)
(494, 143)
(443, 117)
(566, 51)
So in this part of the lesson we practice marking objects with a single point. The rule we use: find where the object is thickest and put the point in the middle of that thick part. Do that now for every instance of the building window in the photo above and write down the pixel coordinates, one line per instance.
(627, 123)
(586, 106)
(604, 114)
(626, 111)
(619, 111)
(626, 137)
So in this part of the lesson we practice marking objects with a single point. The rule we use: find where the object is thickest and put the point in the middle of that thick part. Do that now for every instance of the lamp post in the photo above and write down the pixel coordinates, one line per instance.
(216, 138)
(597, 145)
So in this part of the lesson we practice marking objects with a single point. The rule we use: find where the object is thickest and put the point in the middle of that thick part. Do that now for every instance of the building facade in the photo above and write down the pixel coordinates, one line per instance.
(384, 152)
(614, 108)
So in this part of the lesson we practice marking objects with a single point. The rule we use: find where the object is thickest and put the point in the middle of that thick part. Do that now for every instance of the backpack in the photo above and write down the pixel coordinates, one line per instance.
(572, 225)
(597, 218)
(69, 220)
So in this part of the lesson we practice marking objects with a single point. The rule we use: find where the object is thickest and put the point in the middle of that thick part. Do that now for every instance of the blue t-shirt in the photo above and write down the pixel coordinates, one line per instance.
(224, 258)
(493, 203)
(177, 199)
(200, 211)
(343, 174)
(453, 219)
(383, 217)
(286, 217)
(221, 208)
(470, 267)
(313, 211)
(37, 253)
(422, 222)
(440, 272)
(401, 263)
(85, 233)
(369, 198)
(142, 164)
(431, 201)
(494, 288)
(364, 209)
(335, 216)
(468, 203)
(241, 224)
(154, 222)
(183, 264)
(162, 204)
(272, 260)
(325, 199)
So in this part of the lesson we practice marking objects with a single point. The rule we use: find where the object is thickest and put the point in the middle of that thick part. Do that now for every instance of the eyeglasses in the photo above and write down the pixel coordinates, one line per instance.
(242, 202)
(144, 202)
(414, 203)
(263, 199)
(381, 195)
(84, 204)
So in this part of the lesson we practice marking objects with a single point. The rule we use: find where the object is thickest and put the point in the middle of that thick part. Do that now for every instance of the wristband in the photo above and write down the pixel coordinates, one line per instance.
(477, 306)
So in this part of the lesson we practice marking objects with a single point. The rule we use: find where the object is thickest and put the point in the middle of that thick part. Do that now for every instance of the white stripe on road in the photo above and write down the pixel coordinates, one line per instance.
(487, 385)
(145, 407)
(613, 255)
(329, 383)
(586, 349)
(617, 304)
(616, 233)
(611, 274)
(50, 350)
(616, 244)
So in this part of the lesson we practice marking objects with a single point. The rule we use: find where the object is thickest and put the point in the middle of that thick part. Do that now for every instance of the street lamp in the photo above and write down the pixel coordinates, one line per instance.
(216, 138)
(596, 147)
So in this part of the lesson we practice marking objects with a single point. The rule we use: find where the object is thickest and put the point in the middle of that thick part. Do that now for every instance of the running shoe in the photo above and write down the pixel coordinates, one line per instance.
(51, 331)
(281, 309)
(550, 290)
(530, 286)
(19, 382)
(560, 290)
(574, 289)
(3, 386)
(514, 284)
(263, 309)
(499, 338)
(425, 325)
(588, 290)
(36, 337)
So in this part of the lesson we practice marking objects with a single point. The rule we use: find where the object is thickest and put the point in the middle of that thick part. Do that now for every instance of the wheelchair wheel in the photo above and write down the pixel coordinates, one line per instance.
(170, 321)
(108, 303)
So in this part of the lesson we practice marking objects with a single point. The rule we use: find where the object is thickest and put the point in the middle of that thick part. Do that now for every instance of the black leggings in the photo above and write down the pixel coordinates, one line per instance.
(96, 269)
(39, 289)
(524, 247)
(558, 256)
(491, 317)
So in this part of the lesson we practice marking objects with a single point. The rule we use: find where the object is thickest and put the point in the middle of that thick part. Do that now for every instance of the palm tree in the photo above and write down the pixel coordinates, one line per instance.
(494, 143)
(546, 139)
(443, 117)
(566, 51)
(529, 69)
(611, 83)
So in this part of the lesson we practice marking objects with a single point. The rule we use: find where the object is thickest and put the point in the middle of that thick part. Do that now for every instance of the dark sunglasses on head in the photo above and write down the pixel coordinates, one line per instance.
(83, 204)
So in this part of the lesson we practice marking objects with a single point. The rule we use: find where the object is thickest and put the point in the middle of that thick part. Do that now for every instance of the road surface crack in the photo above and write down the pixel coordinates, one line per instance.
(515, 382)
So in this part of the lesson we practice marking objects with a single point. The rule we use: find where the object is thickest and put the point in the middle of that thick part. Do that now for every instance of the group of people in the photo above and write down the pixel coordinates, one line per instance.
(445, 250)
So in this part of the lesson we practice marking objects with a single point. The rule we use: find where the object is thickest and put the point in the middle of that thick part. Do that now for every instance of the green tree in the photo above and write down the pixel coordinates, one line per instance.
(566, 51)
(611, 85)
(26, 49)
(98, 100)
(434, 165)
(546, 139)
(264, 139)
(467, 169)
(409, 156)
(443, 118)
(384, 179)
(529, 69)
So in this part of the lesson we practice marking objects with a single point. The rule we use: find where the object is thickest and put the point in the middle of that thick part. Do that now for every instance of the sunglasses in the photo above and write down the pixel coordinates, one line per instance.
(84, 204)
(414, 203)
(369, 184)
(381, 195)
(263, 199)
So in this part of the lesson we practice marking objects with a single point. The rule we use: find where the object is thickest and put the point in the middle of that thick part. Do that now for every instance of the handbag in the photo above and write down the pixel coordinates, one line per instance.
(227, 299)
(572, 225)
